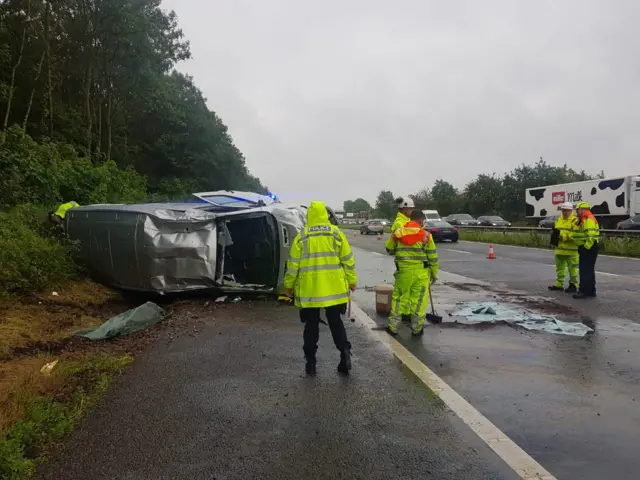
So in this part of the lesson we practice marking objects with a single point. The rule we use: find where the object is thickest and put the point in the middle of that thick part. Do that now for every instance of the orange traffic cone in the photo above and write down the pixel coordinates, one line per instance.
(355, 234)
(491, 254)
(379, 237)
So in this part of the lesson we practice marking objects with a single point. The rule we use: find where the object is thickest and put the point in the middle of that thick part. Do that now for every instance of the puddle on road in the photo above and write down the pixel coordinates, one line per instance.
(476, 312)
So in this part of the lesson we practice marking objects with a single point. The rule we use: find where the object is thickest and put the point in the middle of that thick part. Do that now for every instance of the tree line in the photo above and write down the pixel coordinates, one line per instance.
(91, 108)
(487, 194)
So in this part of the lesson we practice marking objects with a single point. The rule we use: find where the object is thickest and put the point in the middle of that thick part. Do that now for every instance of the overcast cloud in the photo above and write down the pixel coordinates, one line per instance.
(337, 99)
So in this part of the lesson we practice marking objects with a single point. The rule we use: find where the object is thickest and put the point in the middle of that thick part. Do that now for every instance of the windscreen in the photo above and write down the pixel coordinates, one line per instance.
(463, 216)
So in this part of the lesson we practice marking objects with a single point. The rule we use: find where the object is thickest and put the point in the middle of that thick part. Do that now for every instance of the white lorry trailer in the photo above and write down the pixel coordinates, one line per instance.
(611, 199)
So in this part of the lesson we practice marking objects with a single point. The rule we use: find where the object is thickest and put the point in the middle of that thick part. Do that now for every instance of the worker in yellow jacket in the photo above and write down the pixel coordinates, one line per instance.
(566, 252)
(416, 265)
(405, 207)
(587, 237)
(59, 215)
(321, 273)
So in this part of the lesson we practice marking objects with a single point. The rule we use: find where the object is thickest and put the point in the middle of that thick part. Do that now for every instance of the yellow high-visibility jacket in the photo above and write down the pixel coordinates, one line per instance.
(587, 231)
(567, 227)
(321, 265)
(413, 248)
(400, 221)
(62, 209)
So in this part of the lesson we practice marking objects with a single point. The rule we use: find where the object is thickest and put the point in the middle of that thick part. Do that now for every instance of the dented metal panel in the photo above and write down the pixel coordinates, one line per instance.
(143, 247)
(169, 248)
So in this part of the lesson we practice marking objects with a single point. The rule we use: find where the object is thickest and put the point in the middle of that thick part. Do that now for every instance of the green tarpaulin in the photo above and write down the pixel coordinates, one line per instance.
(128, 322)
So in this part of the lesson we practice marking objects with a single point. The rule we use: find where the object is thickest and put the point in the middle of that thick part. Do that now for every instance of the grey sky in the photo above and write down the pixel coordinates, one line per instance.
(338, 99)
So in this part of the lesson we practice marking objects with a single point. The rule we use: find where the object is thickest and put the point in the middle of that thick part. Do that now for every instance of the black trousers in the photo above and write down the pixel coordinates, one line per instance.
(587, 265)
(311, 319)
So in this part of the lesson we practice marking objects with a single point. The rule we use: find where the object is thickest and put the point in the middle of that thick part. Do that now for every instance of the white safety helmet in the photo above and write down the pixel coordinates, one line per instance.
(566, 206)
(406, 202)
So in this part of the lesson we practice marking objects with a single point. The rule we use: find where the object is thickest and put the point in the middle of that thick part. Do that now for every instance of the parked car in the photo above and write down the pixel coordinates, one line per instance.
(492, 221)
(632, 223)
(432, 215)
(442, 230)
(461, 219)
(548, 222)
(227, 240)
(372, 226)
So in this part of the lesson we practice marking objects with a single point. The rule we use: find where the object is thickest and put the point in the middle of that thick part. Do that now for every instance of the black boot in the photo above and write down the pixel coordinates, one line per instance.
(555, 288)
(310, 366)
(581, 296)
(571, 289)
(345, 361)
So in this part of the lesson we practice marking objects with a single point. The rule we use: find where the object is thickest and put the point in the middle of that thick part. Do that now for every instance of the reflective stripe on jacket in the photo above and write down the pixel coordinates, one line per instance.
(62, 209)
(400, 221)
(567, 228)
(587, 230)
(321, 266)
(413, 248)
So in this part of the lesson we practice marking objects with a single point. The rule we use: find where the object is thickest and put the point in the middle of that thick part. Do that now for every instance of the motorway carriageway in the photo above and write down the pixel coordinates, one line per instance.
(572, 404)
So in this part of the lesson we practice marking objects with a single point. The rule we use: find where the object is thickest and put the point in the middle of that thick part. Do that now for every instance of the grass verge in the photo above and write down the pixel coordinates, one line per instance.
(37, 409)
(47, 408)
(619, 246)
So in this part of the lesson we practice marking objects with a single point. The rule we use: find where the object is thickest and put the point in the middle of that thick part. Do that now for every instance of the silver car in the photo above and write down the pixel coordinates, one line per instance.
(234, 241)
(372, 226)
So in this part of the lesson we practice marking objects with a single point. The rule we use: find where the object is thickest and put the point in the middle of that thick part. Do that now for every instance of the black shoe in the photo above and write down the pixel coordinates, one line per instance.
(418, 333)
(310, 367)
(581, 296)
(393, 333)
(345, 362)
(571, 289)
(555, 288)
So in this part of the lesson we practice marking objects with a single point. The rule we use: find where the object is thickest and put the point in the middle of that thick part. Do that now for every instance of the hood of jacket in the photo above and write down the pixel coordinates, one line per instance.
(317, 214)
(410, 233)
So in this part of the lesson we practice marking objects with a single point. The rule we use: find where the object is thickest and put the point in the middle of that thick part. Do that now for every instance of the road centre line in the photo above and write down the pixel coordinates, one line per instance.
(457, 251)
(514, 456)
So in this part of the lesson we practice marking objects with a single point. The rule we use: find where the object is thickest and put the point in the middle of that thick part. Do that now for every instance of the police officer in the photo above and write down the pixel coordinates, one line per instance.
(587, 238)
(320, 274)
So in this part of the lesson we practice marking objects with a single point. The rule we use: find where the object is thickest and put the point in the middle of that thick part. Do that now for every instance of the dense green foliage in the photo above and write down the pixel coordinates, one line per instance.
(93, 80)
(487, 194)
(92, 110)
(356, 206)
(31, 259)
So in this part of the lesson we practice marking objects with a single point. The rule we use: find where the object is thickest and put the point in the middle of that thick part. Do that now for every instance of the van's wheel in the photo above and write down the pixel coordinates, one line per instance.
(454, 241)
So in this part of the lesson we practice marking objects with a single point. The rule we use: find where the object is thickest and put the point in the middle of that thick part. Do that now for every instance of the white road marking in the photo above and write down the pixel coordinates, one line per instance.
(610, 274)
(378, 253)
(457, 251)
(514, 456)
(544, 249)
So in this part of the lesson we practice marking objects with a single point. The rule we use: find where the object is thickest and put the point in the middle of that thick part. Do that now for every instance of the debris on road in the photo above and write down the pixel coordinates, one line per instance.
(125, 323)
(48, 367)
(494, 312)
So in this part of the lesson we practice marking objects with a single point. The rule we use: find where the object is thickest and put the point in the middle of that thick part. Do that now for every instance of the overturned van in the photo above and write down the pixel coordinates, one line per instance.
(234, 241)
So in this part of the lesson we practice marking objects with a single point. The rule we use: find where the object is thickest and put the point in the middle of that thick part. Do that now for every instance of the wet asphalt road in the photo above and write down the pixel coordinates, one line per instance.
(229, 401)
(573, 404)
(532, 270)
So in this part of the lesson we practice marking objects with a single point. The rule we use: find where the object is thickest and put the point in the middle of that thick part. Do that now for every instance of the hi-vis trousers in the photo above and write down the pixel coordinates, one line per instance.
(410, 295)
